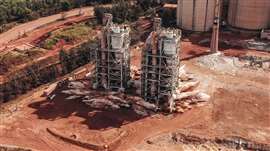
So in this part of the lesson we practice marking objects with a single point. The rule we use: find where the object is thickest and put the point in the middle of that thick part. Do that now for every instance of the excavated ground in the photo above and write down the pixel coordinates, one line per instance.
(239, 106)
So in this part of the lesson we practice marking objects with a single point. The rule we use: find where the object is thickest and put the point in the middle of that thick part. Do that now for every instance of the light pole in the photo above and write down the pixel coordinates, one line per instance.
(215, 32)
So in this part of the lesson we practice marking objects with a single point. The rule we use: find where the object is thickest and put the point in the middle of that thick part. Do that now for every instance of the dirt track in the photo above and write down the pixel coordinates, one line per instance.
(13, 33)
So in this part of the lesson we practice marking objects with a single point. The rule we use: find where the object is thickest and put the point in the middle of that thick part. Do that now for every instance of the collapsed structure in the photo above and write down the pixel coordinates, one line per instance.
(113, 58)
(160, 64)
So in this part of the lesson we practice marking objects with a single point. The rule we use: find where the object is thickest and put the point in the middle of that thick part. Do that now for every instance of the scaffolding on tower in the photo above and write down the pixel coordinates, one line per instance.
(113, 57)
(160, 64)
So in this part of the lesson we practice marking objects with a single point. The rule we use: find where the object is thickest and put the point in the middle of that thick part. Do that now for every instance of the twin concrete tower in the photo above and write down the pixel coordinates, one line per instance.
(160, 61)
(113, 56)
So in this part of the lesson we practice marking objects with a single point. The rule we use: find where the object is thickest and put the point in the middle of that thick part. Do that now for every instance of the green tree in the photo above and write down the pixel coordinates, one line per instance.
(65, 5)
(3, 15)
(64, 59)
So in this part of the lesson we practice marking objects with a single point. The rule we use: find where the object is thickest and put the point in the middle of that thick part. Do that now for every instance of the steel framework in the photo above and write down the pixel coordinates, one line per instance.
(113, 57)
(160, 65)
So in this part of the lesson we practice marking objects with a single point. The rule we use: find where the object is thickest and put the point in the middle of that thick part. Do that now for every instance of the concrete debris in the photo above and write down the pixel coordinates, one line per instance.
(183, 75)
(231, 65)
(147, 105)
(202, 97)
(186, 94)
(256, 62)
(114, 103)
(119, 101)
(76, 92)
(265, 34)
(76, 85)
(188, 86)
(73, 97)
(88, 75)
(257, 45)
(48, 92)
(107, 102)
(140, 110)
(220, 63)
(102, 104)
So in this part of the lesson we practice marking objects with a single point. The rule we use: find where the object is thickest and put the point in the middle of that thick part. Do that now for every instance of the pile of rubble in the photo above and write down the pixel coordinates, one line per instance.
(101, 100)
(256, 62)
(116, 101)
(186, 93)
(257, 44)
(219, 62)
(183, 98)
(232, 65)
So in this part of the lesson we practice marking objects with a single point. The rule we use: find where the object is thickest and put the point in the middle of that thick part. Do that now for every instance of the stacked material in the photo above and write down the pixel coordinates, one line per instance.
(185, 95)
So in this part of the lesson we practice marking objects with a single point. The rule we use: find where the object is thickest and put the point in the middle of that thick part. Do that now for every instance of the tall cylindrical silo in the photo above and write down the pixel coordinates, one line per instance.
(249, 14)
(195, 15)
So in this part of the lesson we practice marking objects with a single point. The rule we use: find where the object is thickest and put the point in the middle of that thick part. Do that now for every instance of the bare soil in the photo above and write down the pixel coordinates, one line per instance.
(15, 32)
(239, 106)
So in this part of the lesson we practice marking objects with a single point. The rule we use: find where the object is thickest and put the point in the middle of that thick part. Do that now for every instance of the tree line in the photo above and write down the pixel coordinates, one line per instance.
(129, 11)
(125, 10)
(38, 74)
(25, 10)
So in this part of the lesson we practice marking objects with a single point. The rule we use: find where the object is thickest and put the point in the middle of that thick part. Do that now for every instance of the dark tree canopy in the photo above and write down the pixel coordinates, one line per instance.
(25, 10)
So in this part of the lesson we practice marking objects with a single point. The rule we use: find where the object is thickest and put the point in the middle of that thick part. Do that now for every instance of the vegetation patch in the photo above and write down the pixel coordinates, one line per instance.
(6, 27)
(25, 10)
(43, 71)
(126, 11)
(67, 35)
(15, 57)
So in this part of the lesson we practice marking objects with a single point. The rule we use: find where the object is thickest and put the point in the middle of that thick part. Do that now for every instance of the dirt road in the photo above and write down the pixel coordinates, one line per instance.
(17, 31)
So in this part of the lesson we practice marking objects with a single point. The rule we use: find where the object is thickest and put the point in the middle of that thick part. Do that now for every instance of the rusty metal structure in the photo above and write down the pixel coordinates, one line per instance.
(160, 64)
(113, 57)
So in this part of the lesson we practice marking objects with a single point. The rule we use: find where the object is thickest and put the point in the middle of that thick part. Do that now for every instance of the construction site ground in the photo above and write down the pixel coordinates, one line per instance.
(239, 106)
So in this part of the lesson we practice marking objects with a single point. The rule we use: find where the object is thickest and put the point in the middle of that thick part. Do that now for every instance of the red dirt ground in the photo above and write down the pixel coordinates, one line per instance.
(38, 34)
(192, 49)
(239, 107)
(50, 22)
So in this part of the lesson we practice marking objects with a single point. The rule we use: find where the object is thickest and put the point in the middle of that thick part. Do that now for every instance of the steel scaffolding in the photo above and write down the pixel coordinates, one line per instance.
(160, 64)
(113, 57)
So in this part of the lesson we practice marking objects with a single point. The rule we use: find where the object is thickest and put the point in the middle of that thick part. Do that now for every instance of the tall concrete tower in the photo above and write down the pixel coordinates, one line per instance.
(160, 64)
(113, 56)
